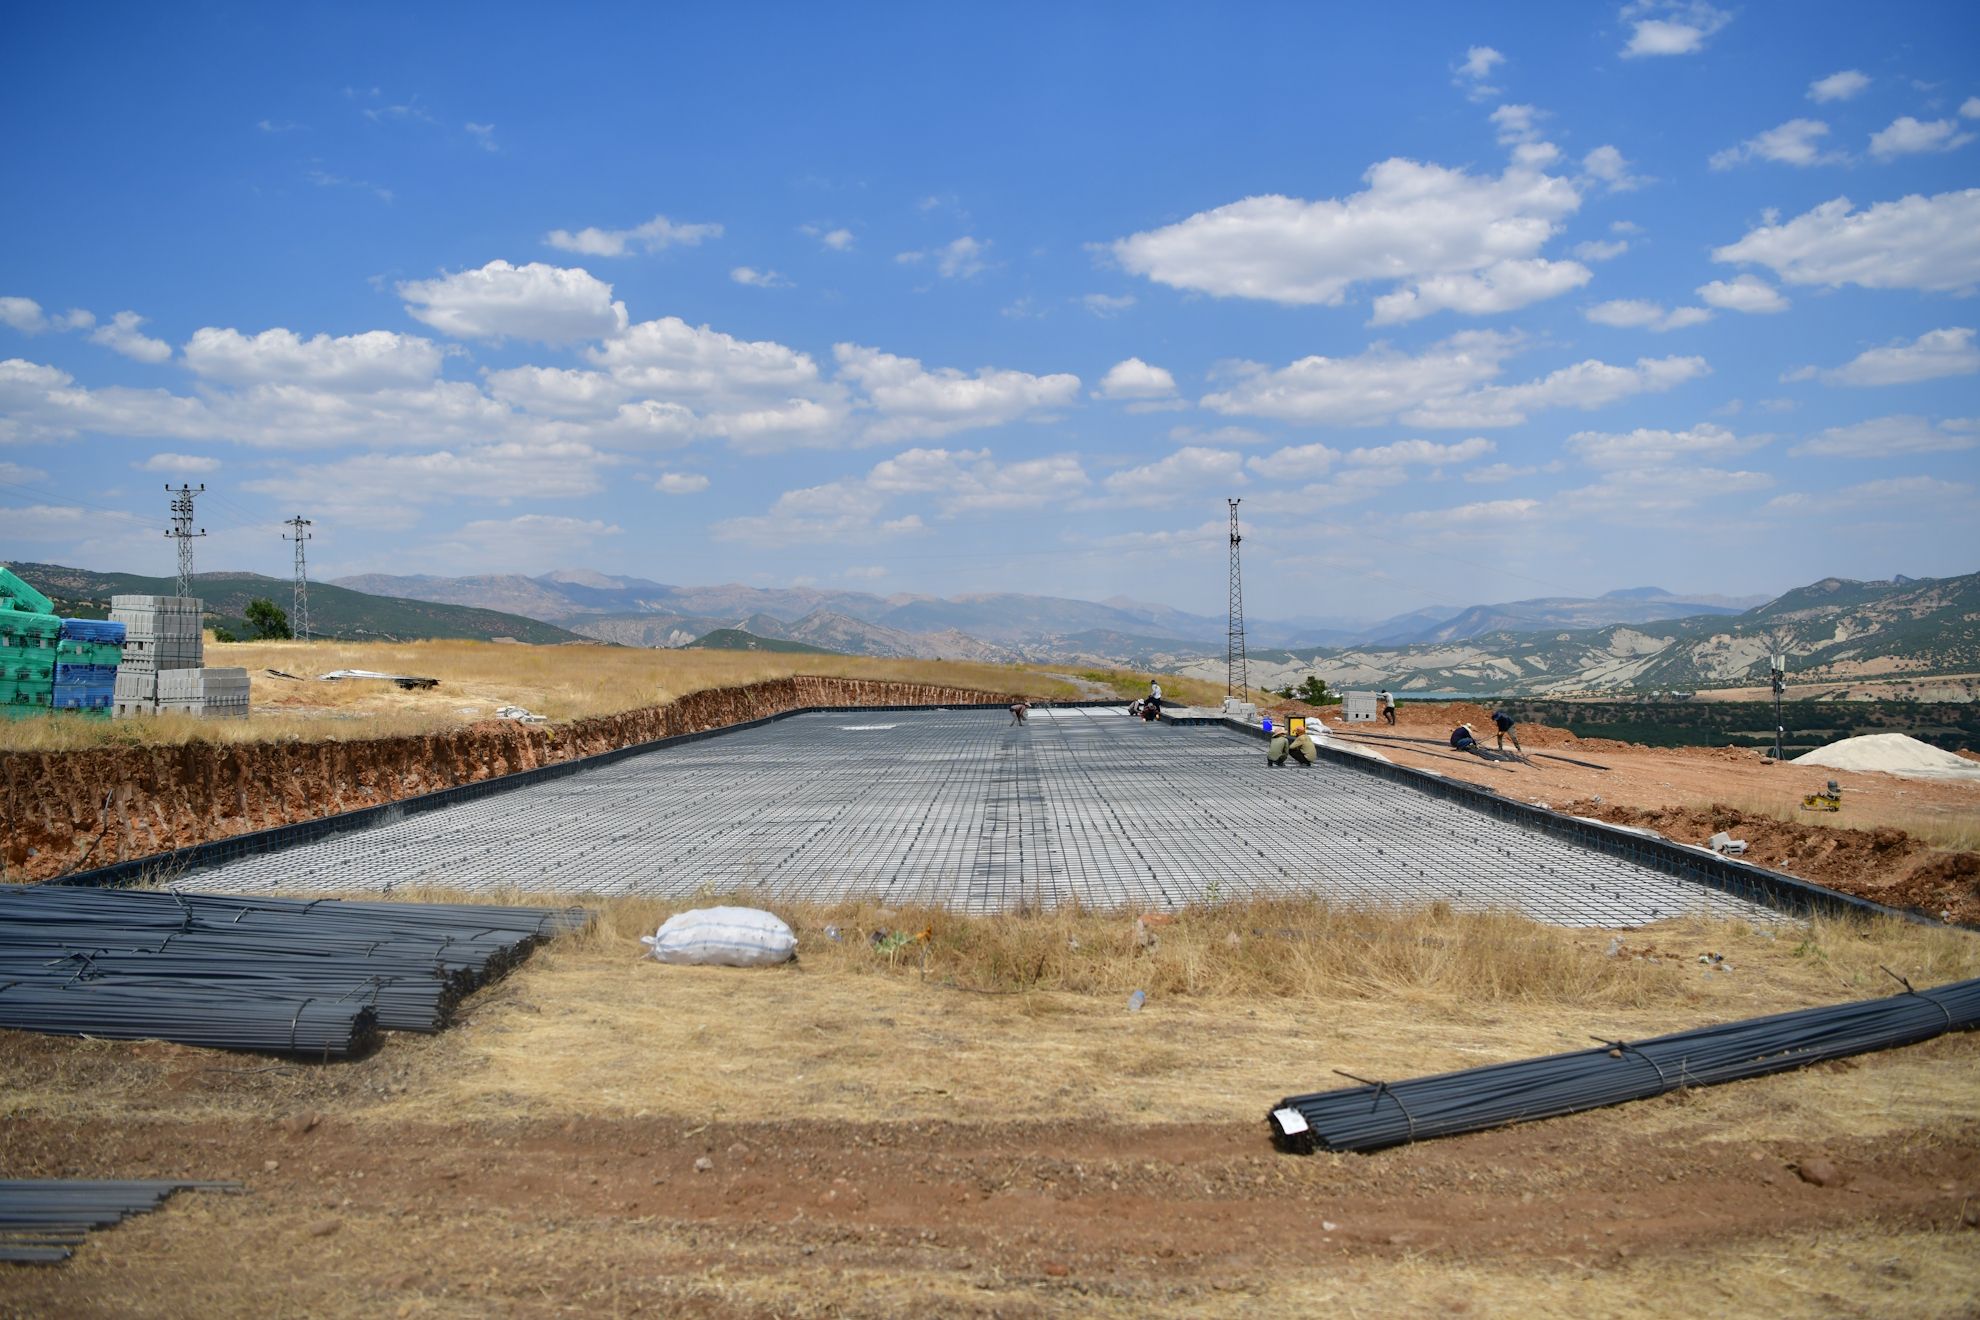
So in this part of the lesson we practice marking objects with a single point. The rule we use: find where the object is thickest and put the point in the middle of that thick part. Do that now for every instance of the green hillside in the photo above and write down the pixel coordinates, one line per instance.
(334, 612)
(735, 639)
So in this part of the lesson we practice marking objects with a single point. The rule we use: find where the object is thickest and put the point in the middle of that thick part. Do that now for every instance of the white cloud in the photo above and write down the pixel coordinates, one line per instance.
(389, 490)
(1885, 437)
(123, 336)
(519, 543)
(867, 574)
(1746, 293)
(1909, 493)
(1104, 305)
(1793, 143)
(761, 279)
(1915, 243)
(1135, 379)
(1183, 475)
(1415, 223)
(914, 403)
(1683, 33)
(552, 304)
(178, 463)
(1517, 123)
(1498, 472)
(958, 260)
(24, 315)
(1936, 353)
(686, 382)
(1489, 513)
(1608, 165)
(1837, 86)
(655, 234)
(1402, 453)
(1906, 136)
(839, 240)
(681, 483)
(1970, 108)
(1477, 67)
(1595, 251)
(1644, 449)
(1296, 463)
(1442, 387)
(374, 360)
(483, 134)
(1631, 313)
(14, 472)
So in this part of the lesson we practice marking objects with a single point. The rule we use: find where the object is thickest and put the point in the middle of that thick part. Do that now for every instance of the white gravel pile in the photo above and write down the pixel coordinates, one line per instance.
(1893, 753)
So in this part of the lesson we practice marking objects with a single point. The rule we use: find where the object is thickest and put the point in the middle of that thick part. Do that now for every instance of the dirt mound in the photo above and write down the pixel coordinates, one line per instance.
(1893, 753)
(1885, 865)
(78, 810)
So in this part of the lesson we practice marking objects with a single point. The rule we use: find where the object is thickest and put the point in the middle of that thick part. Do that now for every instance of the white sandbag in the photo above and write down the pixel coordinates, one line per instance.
(723, 936)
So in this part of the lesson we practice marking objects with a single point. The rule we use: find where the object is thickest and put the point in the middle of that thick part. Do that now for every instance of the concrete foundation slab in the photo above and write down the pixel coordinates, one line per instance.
(960, 809)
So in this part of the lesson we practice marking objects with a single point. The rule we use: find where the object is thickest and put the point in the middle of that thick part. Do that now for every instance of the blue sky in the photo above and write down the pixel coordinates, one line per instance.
(1466, 305)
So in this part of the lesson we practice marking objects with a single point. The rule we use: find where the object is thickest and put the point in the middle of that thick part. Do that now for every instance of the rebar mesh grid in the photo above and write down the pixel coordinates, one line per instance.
(961, 809)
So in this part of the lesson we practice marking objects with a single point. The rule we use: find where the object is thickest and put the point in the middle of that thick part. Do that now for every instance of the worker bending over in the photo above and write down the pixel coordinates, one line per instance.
(1505, 727)
(1019, 709)
(1463, 739)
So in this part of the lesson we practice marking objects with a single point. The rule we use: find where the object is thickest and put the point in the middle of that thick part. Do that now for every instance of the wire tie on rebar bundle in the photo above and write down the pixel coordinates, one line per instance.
(1899, 979)
(298, 1018)
(1380, 1089)
(1628, 1048)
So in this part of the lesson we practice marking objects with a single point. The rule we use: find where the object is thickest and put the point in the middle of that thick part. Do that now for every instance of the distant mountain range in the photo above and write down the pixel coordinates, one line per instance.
(995, 627)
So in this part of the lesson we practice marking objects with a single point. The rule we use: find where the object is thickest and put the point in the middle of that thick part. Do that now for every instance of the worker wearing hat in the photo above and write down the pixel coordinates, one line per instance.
(1463, 739)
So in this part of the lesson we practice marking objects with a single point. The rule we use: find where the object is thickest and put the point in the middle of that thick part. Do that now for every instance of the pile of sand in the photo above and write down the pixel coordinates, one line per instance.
(1893, 753)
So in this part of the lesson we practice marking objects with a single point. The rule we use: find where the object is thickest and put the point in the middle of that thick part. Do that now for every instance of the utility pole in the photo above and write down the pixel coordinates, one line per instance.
(1237, 674)
(1777, 671)
(299, 611)
(182, 532)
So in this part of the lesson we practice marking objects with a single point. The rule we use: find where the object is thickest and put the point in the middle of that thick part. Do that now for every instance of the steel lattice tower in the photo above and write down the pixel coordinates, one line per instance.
(1237, 675)
(299, 610)
(182, 532)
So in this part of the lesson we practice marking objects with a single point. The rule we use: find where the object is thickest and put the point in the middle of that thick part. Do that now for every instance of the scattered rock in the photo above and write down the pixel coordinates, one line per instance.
(324, 1228)
(297, 1124)
(1972, 1216)
(704, 1165)
(1057, 1271)
(269, 1166)
(1819, 1172)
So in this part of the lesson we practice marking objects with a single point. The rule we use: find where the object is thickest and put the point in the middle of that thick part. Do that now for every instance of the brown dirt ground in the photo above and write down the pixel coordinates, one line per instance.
(881, 1146)
(1888, 843)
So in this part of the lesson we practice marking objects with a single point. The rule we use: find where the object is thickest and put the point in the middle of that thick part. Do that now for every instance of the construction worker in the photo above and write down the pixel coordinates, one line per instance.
(1019, 709)
(1463, 739)
(1302, 749)
(1388, 705)
(1275, 749)
(1504, 722)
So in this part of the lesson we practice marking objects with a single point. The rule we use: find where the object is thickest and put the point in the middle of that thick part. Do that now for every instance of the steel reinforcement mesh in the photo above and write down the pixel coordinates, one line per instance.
(958, 808)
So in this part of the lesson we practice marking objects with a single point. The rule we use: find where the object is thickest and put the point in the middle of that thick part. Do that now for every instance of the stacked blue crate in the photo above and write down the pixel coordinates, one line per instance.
(86, 660)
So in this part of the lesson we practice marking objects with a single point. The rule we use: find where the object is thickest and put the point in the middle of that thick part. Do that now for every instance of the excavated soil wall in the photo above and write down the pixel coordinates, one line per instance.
(67, 811)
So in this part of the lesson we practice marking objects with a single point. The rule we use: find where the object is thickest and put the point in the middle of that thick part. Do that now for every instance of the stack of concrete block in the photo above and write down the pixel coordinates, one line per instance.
(161, 633)
(208, 693)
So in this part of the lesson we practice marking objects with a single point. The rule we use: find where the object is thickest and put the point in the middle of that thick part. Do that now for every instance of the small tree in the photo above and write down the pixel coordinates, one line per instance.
(269, 620)
(1313, 692)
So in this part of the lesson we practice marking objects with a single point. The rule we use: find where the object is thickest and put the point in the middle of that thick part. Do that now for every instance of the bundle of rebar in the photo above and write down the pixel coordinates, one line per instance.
(315, 977)
(1382, 1113)
(42, 1221)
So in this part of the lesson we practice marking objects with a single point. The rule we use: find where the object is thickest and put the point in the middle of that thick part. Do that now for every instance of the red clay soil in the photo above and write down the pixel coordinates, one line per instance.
(163, 798)
(524, 1217)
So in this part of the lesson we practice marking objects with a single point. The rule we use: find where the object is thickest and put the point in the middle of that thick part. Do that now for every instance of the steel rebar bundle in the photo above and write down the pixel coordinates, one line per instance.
(1380, 1113)
(225, 971)
(43, 1220)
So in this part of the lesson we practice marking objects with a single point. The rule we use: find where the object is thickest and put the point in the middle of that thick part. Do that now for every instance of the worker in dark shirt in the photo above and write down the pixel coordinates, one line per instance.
(1504, 723)
(1463, 739)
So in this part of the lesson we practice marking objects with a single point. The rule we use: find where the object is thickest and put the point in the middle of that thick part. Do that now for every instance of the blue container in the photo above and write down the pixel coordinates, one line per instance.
(94, 630)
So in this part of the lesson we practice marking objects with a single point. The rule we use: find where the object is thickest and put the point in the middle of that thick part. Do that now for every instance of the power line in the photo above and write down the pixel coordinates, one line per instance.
(1237, 668)
(182, 532)
(300, 608)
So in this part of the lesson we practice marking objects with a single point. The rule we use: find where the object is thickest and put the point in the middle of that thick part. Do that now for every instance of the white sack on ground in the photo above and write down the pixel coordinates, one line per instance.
(1893, 753)
(723, 936)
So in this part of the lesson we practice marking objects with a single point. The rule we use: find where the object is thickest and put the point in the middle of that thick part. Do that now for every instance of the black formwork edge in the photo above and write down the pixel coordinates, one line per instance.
(220, 851)
(1756, 884)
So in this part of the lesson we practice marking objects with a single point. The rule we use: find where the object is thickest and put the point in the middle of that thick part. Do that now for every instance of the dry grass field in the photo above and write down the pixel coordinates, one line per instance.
(993, 1133)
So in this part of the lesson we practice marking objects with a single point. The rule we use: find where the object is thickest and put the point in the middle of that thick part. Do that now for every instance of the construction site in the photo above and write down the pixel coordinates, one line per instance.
(327, 994)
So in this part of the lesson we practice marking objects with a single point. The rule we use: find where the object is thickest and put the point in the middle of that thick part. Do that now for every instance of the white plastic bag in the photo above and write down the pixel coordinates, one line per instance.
(723, 936)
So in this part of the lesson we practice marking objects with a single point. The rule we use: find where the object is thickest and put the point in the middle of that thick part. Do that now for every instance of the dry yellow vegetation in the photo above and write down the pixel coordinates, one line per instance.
(476, 678)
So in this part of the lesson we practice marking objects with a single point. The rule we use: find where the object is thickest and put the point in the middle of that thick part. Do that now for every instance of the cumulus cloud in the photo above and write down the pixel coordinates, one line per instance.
(1497, 472)
(1646, 473)
(374, 360)
(681, 483)
(1884, 437)
(387, 491)
(1837, 86)
(1917, 242)
(1183, 475)
(1443, 237)
(1647, 448)
(1681, 29)
(519, 543)
(1135, 379)
(550, 304)
(1936, 353)
(1105, 305)
(956, 261)
(655, 234)
(958, 482)
(1607, 164)
(914, 403)
(177, 463)
(1445, 386)
(1477, 67)
(1487, 513)
(839, 240)
(1295, 463)
(1600, 251)
(1909, 493)
(675, 382)
(1427, 453)
(1907, 136)
(761, 279)
(1632, 313)
(1970, 107)
(123, 336)
(1793, 143)
(25, 315)
(1744, 293)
